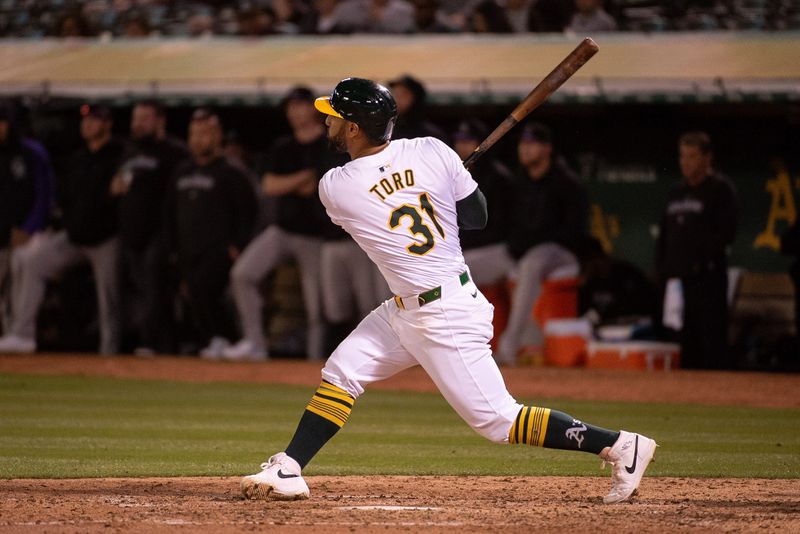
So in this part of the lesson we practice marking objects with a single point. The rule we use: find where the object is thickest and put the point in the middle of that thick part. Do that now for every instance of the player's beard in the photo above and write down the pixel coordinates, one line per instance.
(337, 141)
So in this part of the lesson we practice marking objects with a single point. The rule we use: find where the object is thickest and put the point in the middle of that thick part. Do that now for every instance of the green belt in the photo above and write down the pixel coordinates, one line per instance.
(432, 294)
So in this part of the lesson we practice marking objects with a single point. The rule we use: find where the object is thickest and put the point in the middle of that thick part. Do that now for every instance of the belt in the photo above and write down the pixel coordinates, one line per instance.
(413, 302)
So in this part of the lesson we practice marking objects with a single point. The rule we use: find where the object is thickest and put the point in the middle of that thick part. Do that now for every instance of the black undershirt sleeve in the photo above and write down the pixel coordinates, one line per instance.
(472, 212)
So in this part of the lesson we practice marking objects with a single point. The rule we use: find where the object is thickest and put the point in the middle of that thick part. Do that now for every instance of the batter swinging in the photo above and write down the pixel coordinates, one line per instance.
(403, 202)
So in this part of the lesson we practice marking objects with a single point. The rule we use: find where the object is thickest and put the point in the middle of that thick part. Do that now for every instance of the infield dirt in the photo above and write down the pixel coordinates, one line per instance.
(415, 504)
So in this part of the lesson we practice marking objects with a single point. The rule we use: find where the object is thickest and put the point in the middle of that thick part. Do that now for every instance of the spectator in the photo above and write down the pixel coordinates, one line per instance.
(591, 18)
(411, 96)
(136, 24)
(256, 22)
(73, 24)
(332, 17)
(455, 13)
(549, 213)
(697, 226)
(518, 12)
(426, 18)
(200, 25)
(485, 250)
(289, 14)
(89, 215)
(295, 165)
(550, 16)
(141, 186)
(26, 195)
(489, 17)
(210, 211)
(386, 16)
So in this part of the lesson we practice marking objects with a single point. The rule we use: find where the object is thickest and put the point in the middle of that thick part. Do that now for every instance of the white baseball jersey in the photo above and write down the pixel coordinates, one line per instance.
(400, 207)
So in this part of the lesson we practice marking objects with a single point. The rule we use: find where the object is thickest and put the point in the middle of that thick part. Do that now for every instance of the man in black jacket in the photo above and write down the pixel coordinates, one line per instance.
(89, 217)
(210, 214)
(549, 214)
(141, 184)
(697, 227)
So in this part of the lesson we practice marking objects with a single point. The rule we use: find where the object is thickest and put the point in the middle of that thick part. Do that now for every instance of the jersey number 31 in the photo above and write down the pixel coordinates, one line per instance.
(418, 227)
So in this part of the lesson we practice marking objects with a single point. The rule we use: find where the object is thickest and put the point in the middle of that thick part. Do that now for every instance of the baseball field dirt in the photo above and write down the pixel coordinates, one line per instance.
(416, 503)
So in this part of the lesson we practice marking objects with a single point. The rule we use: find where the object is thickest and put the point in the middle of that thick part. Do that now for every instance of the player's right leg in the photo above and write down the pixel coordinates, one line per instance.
(370, 353)
(452, 336)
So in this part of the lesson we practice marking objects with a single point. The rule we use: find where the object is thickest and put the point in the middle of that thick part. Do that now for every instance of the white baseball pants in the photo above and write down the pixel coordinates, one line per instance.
(449, 338)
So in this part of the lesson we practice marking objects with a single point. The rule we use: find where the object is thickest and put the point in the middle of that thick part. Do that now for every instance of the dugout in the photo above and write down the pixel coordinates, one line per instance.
(617, 121)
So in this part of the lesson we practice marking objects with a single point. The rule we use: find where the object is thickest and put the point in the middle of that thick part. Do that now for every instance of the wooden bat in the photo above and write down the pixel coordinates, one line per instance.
(569, 66)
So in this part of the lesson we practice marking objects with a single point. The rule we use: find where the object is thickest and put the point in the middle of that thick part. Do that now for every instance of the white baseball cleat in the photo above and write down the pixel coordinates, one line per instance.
(11, 344)
(279, 479)
(214, 349)
(629, 456)
(244, 351)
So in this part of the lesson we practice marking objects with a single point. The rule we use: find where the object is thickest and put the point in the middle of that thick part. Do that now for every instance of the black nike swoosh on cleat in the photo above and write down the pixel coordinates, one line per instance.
(281, 475)
(475, 295)
(630, 469)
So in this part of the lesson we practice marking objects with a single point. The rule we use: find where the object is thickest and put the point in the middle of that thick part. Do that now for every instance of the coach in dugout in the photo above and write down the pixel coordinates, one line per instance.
(697, 227)
(89, 216)
(141, 183)
(26, 197)
(549, 216)
(210, 213)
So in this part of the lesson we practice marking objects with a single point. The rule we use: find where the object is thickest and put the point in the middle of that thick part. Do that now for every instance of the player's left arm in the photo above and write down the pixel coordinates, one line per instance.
(472, 211)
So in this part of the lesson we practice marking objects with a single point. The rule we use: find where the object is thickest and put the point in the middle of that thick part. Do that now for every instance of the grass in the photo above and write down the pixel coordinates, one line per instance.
(52, 427)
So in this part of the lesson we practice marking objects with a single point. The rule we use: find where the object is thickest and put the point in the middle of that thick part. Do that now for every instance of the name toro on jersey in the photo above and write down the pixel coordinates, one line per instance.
(400, 207)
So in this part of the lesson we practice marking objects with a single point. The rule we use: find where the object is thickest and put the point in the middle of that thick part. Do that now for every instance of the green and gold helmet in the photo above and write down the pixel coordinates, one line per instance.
(364, 102)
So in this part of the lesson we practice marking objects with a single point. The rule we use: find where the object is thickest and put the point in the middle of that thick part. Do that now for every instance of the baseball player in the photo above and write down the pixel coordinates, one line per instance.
(403, 202)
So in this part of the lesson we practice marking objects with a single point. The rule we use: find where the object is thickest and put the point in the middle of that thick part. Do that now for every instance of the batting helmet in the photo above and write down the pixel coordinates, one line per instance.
(364, 102)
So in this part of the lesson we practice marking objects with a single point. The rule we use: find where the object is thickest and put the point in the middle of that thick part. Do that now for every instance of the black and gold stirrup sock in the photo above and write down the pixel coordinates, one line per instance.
(325, 414)
(552, 429)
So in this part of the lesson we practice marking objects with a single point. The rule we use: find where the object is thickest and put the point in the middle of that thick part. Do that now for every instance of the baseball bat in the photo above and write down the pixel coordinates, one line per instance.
(568, 66)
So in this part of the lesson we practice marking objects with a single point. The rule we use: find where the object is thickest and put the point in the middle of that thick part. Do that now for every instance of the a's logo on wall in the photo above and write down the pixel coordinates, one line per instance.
(604, 227)
(781, 209)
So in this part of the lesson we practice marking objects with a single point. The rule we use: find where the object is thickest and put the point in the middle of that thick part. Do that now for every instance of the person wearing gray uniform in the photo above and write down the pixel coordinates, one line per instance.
(26, 198)
(549, 220)
(351, 284)
(89, 215)
(295, 165)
